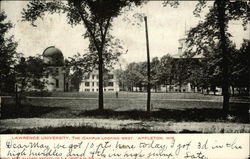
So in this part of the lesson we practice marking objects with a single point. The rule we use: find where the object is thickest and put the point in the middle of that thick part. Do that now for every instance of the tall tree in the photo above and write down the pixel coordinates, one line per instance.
(214, 30)
(181, 71)
(29, 73)
(166, 71)
(95, 15)
(240, 68)
(8, 55)
(135, 75)
(155, 64)
(81, 64)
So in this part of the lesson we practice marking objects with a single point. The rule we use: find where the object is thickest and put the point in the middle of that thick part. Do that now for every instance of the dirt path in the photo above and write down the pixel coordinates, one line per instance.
(205, 127)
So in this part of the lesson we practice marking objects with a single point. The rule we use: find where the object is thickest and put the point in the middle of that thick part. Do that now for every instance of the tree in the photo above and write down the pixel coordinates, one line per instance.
(135, 75)
(155, 64)
(240, 68)
(166, 71)
(197, 73)
(121, 78)
(29, 75)
(96, 16)
(213, 31)
(180, 69)
(81, 64)
(8, 56)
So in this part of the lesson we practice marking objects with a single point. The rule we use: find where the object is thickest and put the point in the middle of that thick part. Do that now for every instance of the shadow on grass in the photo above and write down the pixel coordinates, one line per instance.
(85, 130)
(26, 111)
(239, 115)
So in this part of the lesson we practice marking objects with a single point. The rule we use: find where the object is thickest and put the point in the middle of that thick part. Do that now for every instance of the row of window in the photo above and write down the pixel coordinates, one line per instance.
(97, 76)
(93, 90)
(87, 84)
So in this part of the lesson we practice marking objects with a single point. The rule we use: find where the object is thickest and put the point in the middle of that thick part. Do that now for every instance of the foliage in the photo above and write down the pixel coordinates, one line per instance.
(134, 76)
(8, 56)
(96, 16)
(155, 64)
(29, 74)
(240, 67)
(165, 69)
(211, 35)
(181, 70)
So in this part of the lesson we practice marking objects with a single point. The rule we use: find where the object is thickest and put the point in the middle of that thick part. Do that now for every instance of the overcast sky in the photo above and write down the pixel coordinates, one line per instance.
(166, 25)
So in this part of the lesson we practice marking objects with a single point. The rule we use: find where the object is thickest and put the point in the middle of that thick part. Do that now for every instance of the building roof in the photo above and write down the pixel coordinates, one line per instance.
(54, 56)
(52, 51)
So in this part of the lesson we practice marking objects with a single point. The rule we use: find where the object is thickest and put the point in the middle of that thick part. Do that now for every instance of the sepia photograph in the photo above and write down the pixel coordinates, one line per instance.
(124, 66)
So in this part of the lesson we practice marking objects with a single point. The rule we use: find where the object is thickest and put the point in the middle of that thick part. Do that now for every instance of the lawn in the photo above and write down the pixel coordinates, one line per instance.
(78, 113)
(164, 106)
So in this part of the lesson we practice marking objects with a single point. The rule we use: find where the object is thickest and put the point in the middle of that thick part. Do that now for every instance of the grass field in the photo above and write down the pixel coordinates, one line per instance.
(136, 95)
(164, 106)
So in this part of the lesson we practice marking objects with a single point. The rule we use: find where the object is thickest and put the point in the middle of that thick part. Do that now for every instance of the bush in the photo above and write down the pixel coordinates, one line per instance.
(38, 94)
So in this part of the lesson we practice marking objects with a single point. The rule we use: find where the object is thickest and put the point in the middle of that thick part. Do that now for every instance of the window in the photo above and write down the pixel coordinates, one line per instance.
(87, 84)
(93, 90)
(93, 76)
(57, 83)
(97, 90)
(87, 90)
(87, 76)
(111, 84)
(110, 76)
(57, 70)
(105, 90)
(93, 83)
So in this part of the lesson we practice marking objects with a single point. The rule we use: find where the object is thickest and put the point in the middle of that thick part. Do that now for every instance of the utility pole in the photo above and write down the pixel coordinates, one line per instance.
(148, 61)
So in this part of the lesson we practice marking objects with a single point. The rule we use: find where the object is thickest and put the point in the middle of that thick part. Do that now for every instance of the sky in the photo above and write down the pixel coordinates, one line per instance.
(165, 25)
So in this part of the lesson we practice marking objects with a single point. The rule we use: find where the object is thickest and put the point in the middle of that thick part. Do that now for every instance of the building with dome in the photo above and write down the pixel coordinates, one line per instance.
(55, 72)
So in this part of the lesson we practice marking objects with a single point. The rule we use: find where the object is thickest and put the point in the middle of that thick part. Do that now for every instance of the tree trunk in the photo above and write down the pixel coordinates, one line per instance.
(180, 87)
(248, 92)
(221, 4)
(100, 69)
(214, 89)
(239, 91)
(16, 94)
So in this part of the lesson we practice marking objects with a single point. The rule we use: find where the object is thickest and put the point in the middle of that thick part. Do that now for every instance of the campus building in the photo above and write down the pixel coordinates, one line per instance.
(90, 82)
(55, 71)
(186, 86)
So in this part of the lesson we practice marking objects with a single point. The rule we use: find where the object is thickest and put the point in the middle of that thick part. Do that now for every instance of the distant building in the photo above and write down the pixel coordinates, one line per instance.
(55, 74)
(90, 82)
(186, 87)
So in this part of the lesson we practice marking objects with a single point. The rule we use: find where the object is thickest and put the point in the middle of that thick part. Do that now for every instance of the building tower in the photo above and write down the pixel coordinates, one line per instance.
(182, 43)
(55, 74)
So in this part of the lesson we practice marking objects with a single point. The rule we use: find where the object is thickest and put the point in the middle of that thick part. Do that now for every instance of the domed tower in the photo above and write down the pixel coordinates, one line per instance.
(53, 56)
(55, 76)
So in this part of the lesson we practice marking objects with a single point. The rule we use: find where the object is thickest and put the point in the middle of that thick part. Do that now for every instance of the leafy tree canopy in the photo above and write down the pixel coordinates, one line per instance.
(8, 55)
